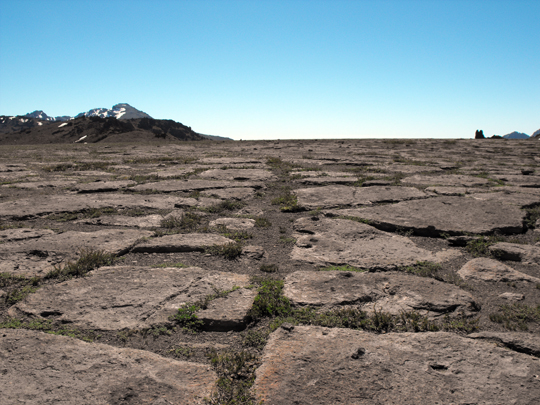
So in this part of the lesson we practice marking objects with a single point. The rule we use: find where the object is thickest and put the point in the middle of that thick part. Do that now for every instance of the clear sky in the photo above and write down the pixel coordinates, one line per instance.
(281, 69)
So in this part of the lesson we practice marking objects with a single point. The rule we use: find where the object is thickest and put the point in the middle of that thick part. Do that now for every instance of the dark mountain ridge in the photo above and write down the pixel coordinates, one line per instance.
(22, 130)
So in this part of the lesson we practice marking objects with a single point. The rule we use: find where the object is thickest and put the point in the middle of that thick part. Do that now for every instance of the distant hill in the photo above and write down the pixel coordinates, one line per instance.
(22, 130)
(216, 138)
(516, 135)
(536, 134)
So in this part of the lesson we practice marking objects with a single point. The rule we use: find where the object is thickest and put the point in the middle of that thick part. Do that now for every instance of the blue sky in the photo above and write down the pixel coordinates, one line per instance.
(279, 69)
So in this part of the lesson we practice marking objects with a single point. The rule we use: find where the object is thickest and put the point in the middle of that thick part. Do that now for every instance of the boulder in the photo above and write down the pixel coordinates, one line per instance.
(516, 252)
(484, 269)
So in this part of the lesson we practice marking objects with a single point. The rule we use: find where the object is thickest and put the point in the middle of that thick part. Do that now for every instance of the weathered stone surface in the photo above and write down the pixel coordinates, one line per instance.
(170, 173)
(237, 224)
(238, 174)
(239, 193)
(457, 180)
(125, 297)
(102, 186)
(147, 221)
(168, 186)
(315, 366)
(484, 269)
(327, 180)
(442, 190)
(230, 312)
(388, 292)
(512, 296)
(326, 242)
(254, 252)
(56, 204)
(413, 168)
(517, 341)
(516, 252)
(453, 215)
(11, 235)
(519, 199)
(335, 196)
(42, 184)
(33, 257)
(520, 180)
(181, 243)
(40, 368)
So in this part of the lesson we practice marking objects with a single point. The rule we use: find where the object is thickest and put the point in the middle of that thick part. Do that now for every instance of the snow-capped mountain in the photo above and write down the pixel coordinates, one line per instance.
(120, 111)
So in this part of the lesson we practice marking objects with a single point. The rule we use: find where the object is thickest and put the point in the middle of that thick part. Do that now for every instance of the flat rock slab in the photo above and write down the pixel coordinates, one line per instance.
(516, 252)
(239, 193)
(517, 341)
(56, 204)
(442, 190)
(31, 185)
(453, 215)
(131, 297)
(457, 180)
(518, 199)
(190, 242)
(169, 186)
(521, 181)
(238, 174)
(35, 257)
(484, 269)
(327, 241)
(11, 235)
(335, 196)
(327, 180)
(236, 224)
(103, 186)
(388, 292)
(311, 365)
(147, 221)
(40, 368)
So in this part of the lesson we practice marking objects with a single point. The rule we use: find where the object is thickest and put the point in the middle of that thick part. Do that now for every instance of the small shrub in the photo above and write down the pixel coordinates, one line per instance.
(255, 338)
(287, 201)
(181, 351)
(88, 261)
(187, 222)
(270, 301)
(186, 318)
(345, 267)
(480, 246)
(269, 268)
(225, 205)
(261, 222)
(516, 316)
(229, 251)
(286, 240)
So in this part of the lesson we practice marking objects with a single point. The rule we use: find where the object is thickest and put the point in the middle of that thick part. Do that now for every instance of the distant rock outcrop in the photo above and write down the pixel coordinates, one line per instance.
(479, 134)
(516, 135)
(536, 134)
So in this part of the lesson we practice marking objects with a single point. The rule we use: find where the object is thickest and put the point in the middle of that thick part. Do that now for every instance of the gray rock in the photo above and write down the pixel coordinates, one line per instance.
(190, 242)
(456, 180)
(101, 186)
(335, 196)
(169, 186)
(236, 224)
(10, 235)
(327, 180)
(327, 241)
(239, 174)
(33, 185)
(125, 297)
(388, 292)
(520, 180)
(484, 269)
(254, 252)
(35, 257)
(517, 341)
(57, 204)
(512, 296)
(315, 366)
(516, 252)
(521, 200)
(239, 193)
(40, 368)
(433, 216)
(441, 190)
(147, 221)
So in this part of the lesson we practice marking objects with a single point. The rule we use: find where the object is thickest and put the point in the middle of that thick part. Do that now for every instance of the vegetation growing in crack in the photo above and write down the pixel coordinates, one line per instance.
(435, 270)
(287, 201)
(516, 316)
(345, 267)
(17, 287)
(88, 261)
(229, 251)
(46, 325)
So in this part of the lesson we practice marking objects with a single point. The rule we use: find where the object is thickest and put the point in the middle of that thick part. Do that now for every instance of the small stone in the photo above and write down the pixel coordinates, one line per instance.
(512, 296)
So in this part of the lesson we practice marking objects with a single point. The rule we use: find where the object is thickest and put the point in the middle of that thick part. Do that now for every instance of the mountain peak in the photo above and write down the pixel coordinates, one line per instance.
(119, 111)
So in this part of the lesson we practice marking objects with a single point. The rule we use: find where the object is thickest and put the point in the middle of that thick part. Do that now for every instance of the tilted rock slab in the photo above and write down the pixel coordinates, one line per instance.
(238, 174)
(516, 252)
(103, 186)
(57, 204)
(238, 224)
(522, 200)
(40, 368)
(335, 196)
(131, 297)
(433, 216)
(169, 186)
(10, 235)
(458, 180)
(484, 269)
(35, 257)
(309, 365)
(147, 221)
(324, 241)
(517, 341)
(388, 292)
(188, 242)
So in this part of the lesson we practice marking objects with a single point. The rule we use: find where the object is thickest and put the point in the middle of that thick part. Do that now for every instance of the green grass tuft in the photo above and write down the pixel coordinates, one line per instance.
(88, 261)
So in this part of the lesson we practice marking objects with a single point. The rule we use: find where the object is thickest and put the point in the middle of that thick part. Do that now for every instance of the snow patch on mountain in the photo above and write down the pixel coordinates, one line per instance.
(118, 111)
